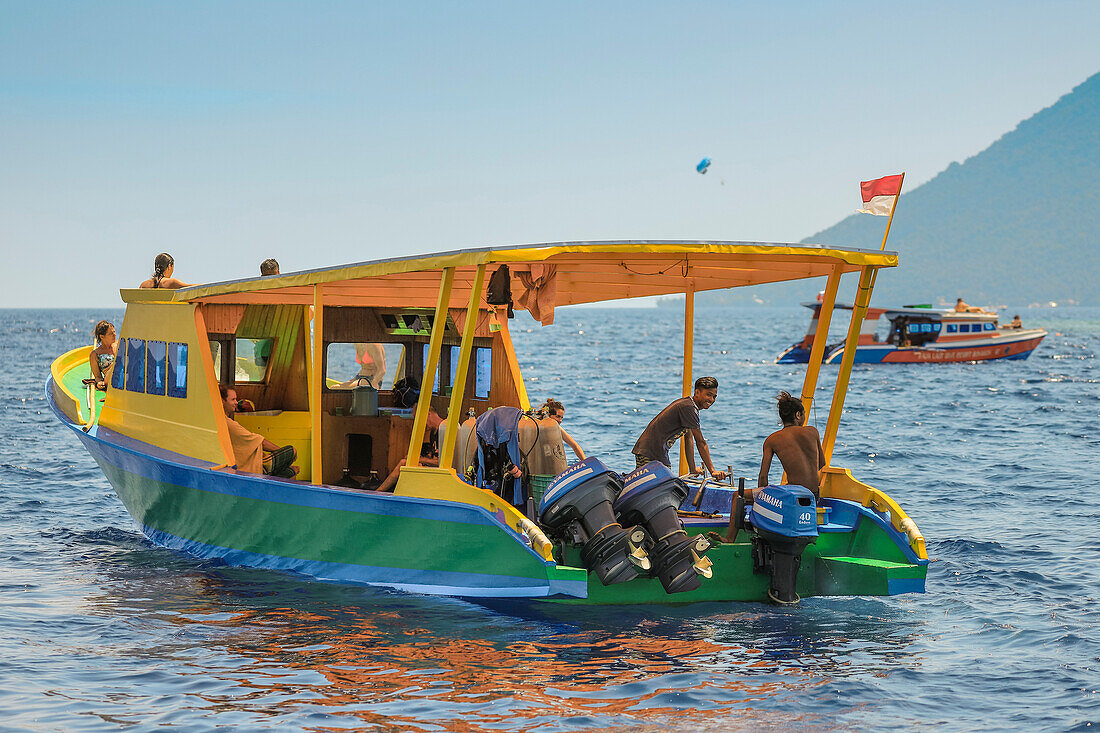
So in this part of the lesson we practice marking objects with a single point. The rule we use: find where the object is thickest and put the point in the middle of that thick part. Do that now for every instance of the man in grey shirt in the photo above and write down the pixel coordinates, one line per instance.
(681, 418)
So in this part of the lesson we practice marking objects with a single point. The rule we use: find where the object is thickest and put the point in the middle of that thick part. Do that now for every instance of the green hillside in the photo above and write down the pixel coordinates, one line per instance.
(1017, 223)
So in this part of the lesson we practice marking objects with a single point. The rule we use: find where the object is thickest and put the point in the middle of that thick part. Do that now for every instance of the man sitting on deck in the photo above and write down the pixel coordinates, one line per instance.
(253, 452)
(680, 418)
(798, 447)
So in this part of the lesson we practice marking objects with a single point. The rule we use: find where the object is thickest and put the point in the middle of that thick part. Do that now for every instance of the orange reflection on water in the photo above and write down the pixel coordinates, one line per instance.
(389, 670)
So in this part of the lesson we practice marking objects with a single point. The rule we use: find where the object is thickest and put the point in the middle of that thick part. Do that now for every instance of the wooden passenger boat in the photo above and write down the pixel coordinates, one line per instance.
(921, 335)
(159, 432)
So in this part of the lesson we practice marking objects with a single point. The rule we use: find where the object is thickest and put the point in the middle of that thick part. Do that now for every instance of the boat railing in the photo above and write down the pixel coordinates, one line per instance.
(68, 402)
(839, 483)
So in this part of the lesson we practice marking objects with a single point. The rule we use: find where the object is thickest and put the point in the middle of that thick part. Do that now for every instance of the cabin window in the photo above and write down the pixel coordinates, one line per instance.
(455, 355)
(156, 356)
(435, 382)
(964, 328)
(987, 326)
(218, 354)
(936, 327)
(952, 327)
(135, 365)
(345, 363)
(118, 375)
(253, 357)
(483, 369)
(177, 370)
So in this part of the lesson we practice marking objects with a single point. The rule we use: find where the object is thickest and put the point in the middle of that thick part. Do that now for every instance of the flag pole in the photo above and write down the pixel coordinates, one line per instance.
(892, 209)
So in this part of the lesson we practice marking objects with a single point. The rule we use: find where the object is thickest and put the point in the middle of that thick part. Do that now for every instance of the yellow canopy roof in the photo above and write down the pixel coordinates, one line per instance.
(580, 272)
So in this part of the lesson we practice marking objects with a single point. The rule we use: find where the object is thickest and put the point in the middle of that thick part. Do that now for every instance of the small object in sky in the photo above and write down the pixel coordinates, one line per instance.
(703, 165)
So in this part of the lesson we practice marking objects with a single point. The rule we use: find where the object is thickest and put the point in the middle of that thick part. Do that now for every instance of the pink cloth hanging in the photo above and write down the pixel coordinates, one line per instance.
(541, 294)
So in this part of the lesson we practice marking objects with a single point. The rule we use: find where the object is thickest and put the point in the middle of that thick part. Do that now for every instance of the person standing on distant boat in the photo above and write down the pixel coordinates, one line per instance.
(163, 267)
(798, 447)
(681, 418)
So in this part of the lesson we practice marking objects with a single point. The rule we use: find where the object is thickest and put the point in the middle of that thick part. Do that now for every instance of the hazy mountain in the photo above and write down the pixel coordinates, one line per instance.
(1017, 223)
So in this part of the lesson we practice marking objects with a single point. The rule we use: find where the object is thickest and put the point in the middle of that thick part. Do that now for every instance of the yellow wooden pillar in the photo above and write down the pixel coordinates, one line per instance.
(513, 362)
(689, 349)
(458, 389)
(316, 381)
(821, 336)
(431, 368)
(859, 311)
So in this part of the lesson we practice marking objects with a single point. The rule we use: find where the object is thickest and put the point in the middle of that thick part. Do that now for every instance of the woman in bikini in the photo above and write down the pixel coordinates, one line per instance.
(103, 355)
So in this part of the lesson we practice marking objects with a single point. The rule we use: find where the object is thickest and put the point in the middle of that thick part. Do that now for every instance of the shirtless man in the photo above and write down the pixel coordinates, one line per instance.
(798, 447)
(961, 306)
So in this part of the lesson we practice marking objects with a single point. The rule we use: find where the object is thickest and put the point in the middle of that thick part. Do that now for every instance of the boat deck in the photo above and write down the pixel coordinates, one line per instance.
(73, 383)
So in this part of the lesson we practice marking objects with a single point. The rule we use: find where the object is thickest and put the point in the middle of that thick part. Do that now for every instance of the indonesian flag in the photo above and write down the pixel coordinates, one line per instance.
(880, 195)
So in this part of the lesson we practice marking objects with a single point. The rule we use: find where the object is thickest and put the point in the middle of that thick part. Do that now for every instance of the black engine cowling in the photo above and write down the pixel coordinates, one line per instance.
(577, 508)
(650, 497)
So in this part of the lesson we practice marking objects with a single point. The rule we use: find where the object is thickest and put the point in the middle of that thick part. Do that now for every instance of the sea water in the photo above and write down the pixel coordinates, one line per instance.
(996, 463)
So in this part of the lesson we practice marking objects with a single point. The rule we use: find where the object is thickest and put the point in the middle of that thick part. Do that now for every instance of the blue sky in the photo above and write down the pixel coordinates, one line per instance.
(329, 132)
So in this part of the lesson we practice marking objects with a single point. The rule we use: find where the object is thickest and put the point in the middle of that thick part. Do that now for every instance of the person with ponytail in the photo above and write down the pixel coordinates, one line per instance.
(163, 266)
(798, 447)
(102, 358)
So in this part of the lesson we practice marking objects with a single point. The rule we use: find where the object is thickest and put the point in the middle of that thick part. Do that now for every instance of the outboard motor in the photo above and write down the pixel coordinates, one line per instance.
(576, 508)
(785, 520)
(650, 497)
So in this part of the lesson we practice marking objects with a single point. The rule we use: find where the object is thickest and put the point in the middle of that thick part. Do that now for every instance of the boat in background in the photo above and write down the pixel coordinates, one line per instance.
(920, 334)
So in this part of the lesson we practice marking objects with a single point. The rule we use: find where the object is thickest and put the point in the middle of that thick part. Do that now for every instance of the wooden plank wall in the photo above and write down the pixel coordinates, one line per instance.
(503, 390)
(287, 387)
(222, 318)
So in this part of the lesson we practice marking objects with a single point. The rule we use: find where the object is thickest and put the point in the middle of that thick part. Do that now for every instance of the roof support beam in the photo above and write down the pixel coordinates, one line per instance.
(859, 310)
(316, 379)
(458, 389)
(431, 368)
(689, 348)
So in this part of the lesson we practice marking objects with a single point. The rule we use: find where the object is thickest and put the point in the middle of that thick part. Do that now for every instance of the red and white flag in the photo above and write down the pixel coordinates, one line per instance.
(880, 195)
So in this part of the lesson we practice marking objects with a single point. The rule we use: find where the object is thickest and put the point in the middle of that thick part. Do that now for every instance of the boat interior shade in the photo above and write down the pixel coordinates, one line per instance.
(543, 275)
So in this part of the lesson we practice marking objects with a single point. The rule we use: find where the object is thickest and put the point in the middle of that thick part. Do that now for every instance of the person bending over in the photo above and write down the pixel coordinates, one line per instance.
(429, 451)
(163, 266)
(253, 452)
(681, 418)
(556, 411)
(798, 447)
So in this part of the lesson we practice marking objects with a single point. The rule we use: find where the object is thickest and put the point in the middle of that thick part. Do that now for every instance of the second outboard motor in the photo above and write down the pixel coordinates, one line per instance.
(576, 508)
(650, 497)
(785, 520)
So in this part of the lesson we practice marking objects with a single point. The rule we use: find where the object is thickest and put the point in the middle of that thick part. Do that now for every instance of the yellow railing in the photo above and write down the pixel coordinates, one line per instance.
(62, 365)
(838, 483)
(426, 482)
